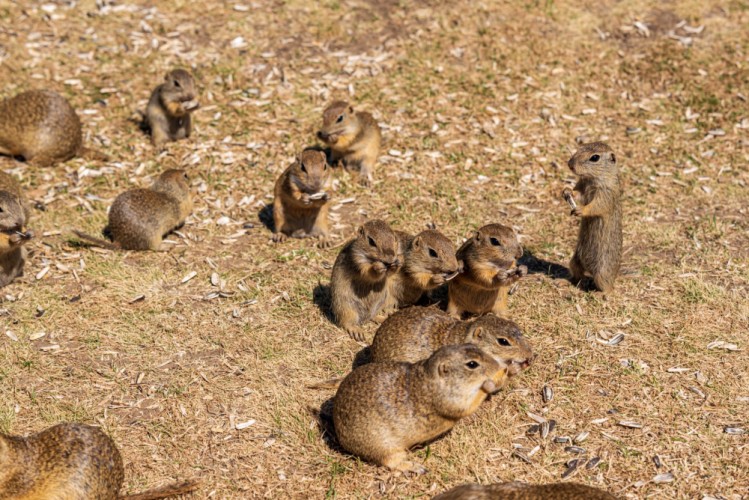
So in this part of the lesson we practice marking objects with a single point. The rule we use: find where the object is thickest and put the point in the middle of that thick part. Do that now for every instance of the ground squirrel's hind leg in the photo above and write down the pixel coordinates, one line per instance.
(453, 309)
(604, 281)
(365, 173)
(397, 461)
(500, 305)
(576, 269)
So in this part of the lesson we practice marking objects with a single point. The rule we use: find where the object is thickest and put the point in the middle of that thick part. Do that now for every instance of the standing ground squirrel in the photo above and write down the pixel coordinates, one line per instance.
(359, 285)
(428, 262)
(70, 462)
(599, 243)
(353, 136)
(415, 333)
(488, 271)
(381, 410)
(300, 203)
(168, 111)
(522, 491)
(41, 126)
(14, 214)
(140, 218)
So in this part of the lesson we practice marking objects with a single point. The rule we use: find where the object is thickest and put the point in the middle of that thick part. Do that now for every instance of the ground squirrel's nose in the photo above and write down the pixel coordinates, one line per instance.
(322, 135)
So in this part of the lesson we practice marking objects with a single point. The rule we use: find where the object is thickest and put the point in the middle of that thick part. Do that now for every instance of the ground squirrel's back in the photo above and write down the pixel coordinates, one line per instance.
(41, 126)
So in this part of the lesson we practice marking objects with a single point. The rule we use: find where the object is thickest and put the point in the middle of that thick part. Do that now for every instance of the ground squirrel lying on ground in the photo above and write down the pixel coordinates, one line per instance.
(428, 262)
(40, 126)
(68, 462)
(599, 243)
(140, 218)
(414, 333)
(354, 138)
(359, 286)
(488, 271)
(381, 410)
(522, 491)
(300, 203)
(14, 215)
(168, 111)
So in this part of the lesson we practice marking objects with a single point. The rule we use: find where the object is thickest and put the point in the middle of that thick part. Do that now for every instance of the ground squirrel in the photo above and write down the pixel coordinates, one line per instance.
(428, 262)
(71, 462)
(41, 126)
(522, 491)
(168, 111)
(14, 214)
(359, 286)
(353, 136)
(599, 243)
(414, 333)
(488, 271)
(300, 203)
(381, 410)
(140, 218)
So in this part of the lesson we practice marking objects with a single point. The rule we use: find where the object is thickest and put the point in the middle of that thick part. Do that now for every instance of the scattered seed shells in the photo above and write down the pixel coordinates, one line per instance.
(630, 424)
(547, 394)
(663, 478)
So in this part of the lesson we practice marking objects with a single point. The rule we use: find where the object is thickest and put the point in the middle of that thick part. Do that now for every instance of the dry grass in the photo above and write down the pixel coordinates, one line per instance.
(480, 105)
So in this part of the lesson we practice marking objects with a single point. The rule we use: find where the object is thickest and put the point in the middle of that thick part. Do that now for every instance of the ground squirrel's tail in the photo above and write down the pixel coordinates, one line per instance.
(332, 383)
(96, 241)
(165, 491)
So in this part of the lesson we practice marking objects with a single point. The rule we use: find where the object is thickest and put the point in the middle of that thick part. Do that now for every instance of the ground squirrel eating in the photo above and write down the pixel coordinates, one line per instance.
(140, 218)
(300, 203)
(359, 286)
(381, 410)
(168, 111)
(522, 491)
(599, 243)
(414, 333)
(68, 461)
(353, 136)
(41, 126)
(428, 262)
(488, 271)
(14, 214)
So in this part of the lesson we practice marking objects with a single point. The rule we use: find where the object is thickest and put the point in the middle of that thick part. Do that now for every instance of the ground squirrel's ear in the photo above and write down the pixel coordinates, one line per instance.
(350, 109)
(477, 333)
(361, 231)
(443, 369)
(416, 243)
(613, 158)
(477, 236)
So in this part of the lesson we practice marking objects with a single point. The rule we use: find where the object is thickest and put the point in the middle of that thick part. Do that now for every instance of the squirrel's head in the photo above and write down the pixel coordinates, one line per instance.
(174, 182)
(432, 253)
(311, 173)
(178, 92)
(502, 339)
(493, 244)
(376, 250)
(592, 160)
(338, 119)
(12, 215)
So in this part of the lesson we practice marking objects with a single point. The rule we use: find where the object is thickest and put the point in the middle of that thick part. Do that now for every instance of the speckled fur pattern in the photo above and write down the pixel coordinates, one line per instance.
(41, 126)
(14, 216)
(522, 491)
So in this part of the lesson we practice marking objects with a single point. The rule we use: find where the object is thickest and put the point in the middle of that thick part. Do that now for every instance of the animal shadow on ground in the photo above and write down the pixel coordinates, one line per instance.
(266, 217)
(553, 270)
(321, 298)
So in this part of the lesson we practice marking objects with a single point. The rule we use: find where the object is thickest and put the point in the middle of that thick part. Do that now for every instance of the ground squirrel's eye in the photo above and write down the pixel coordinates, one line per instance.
(503, 342)
(472, 365)
(372, 241)
(1, 210)
(595, 158)
(432, 253)
(304, 169)
(494, 242)
(340, 119)
(176, 84)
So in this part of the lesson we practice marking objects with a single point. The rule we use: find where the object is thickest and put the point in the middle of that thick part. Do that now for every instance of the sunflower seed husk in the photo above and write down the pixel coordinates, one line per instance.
(215, 279)
(616, 339)
(317, 196)
(734, 430)
(537, 418)
(581, 437)
(575, 449)
(663, 478)
(544, 430)
(547, 394)
(552, 425)
(592, 462)
(533, 429)
(630, 424)
(534, 451)
(657, 461)
(521, 456)
(571, 466)
(562, 440)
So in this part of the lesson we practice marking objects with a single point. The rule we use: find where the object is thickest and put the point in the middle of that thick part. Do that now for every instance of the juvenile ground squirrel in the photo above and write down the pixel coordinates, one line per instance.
(40, 126)
(414, 333)
(140, 218)
(381, 410)
(14, 214)
(522, 491)
(359, 282)
(70, 462)
(354, 138)
(168, 111)
(428, 262)
(300, 203)
(488, 271)
(599, 243)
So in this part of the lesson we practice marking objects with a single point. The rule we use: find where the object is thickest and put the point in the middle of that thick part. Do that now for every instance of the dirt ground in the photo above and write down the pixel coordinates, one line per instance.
(480, 105)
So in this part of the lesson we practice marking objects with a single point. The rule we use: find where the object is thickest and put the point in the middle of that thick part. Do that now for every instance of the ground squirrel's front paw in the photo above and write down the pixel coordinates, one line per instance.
(279, 237)
(379, 267)
(577, 212)
(305, 199)
(407, 466)
(324, 242)
(521, 271)
(438, 280)
(365, 180)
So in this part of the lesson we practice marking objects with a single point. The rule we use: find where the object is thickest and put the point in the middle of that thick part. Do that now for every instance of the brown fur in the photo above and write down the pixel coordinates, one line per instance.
(488, 272)
(168, 111)
(68, 462)
(415, 333)
(428, 262)
(522, 491)
(140, 218)
(599, 243)
(41, 126)
(354, 140)
(381, 410)
(294, 213)
(359, 282)
(14, 215)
